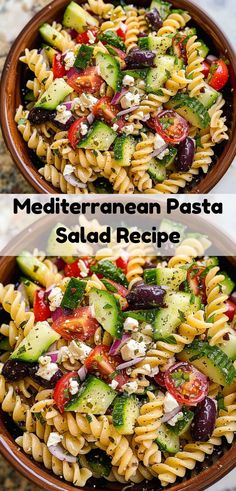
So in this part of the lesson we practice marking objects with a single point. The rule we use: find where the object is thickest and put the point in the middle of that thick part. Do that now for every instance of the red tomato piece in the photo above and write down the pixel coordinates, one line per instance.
(170, 126)
(160, 379)
(231, 310)
(196, 281)
(100, 361)
(121, 33)
(86, 81)
(61, 392)
(105, 110)
(205, 68)
(42, 311)
(78, 325)
(58, 66)
(74, 134)
(186, 384)
(83, 37)
(122, 263)
(219, 74)
(121, 290)
(73, 269)
(180, 47)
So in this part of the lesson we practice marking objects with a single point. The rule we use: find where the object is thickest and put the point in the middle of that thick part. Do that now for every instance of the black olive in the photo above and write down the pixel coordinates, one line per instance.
(154, 19)
(185, 155)
(145, 297)
(48, 384)
(138, 58)
(204, 420)
(14, 370)
(64, 126)
(40, 116)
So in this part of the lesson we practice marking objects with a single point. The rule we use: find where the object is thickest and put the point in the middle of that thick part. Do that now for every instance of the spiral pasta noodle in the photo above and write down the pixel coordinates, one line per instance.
(216, 308)
(51, 174)
(218, 128)
(99, 7)
(173, 23)
(140, 162)
(12, 302)
(117, 16)
(194, 66)
(36, 64)
(132, 25)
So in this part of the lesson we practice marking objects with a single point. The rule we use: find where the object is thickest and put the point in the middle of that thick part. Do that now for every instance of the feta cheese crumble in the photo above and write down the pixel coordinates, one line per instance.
(55, 298)
(91, 37)
(158, 143)
(69, 169)
(131, 324)
(73, 352)
(114, 384)
(69, 60)
(132, 349)
(83, 129)
(63, 114)
(128, 129)
(73, 387)
(129, 100)
(128, 80)
(170, 404)
(131, 387)
(46, 368)
(115, 127)
(85, 101)
(54, 438)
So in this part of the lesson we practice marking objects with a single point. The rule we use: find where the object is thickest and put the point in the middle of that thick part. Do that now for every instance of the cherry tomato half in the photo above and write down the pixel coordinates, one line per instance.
(170, 126)
(196, 281)
(86, 81)
(74, 134)
(122, 263)
(61, 392)
(206, 68)
(186, 384)
(121, 32)
(84, 38)
(73, 269)
(105, 110)
(100, 361)
(160, 379)
(58, 66)
(231, 310)
(219, 75)
(42, 311)
(79, 325)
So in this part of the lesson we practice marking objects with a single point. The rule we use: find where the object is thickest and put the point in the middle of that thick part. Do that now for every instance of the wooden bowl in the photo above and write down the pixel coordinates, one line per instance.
(203, 476)
(11, 96)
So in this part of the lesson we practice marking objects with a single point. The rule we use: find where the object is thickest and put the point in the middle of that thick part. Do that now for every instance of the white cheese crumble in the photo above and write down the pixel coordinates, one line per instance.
(84, 271)
(158, 143)
(63, 114)
(128, 129)
(144, 117)
(129, 100)
(85, 101)
(83, 129)
(54, 438)
(131, 387)
(91, 37)
(73, 352)
(132, 349)
(131, 324)
(46, 368)
(55, 297)
(83, 351)
(114, 384)
(115, 127)
(69, 169)
(73, 387)
(128, 80)
(170, 404)
(175, 419)
(69, 60)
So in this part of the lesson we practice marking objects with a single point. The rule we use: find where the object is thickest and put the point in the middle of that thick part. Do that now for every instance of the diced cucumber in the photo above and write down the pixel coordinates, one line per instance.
(179, 306)
(170, 277)
(30, 289)
(94, 397)
(50, 52)
(208, 96)
(167, 440)
(99, 137)
(75, 17)
(212, 261)
(99, 463)
(4, 344)
(109, 270)
(184, 423)
(191, 109)
(211, 361)
(229, 347)
(74, 294)
(54, 95)
(84, 56)
(168, 159)
(158, 44)
(228, 284)
(110, 70)
(189, 31)
(203, 50)
(35, 343)
(163, 8)
(107, 311)
(124, 149)
(157, 170)
(110, 37)
(156, 77)
(32, 267)
(141, 315)
(52, 36)
(136, 74)
(124, 414)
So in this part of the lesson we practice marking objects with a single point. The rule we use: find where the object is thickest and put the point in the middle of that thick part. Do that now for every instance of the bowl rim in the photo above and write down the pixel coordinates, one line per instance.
(38, 475)
(13, 138)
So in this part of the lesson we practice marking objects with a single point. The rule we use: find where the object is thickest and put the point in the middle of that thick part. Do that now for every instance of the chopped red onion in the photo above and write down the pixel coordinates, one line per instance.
(82, 372)
(118, 95)
(59, 312)
(72, 179)
(127, 111)
(159, 151)
(73, 71)
(171, 414)
(90, 118)
(73, 33)
(61, 454)
(130, 363)
(53, 355)
(68, 104)
(21, 288)
(211, 58)
(117, 345)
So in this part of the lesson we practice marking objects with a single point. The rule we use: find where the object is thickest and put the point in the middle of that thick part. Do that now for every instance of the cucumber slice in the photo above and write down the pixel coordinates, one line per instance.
(99, 463)
(124, 414)
(52, 36)
(210, 360)
(156, 77)
(84, 56)
(168, 159)
(167, 440)
(203, 50)
(136, 74)
(208, 97)
(32, 267)
(77, 18)
(94, 397)
(74, 294)
(110, 70)
(228, 284)
(109, 270)
(124, 149)
(229, 347)
(50, 52)
(191, 109)
(170, 277)
(110, 37)
(99, 137)
(30, 289)
(184, 423)
(35, 343)
(107, 311)
(141, 315)
(163, 8)
(54, 95)
(179, 306)
(159, 44)
(212, 261)
(157, 170)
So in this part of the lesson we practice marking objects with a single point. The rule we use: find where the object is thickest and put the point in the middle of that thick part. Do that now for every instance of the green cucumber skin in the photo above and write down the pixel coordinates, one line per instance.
(35, 343)
(91, 397)
(99, 137)
(84, 56)
(110, 271)
(32, 267)
(118, 147)
(72, 299)
(197, 108)
(111, 38)
(107, 309)
(125, 413)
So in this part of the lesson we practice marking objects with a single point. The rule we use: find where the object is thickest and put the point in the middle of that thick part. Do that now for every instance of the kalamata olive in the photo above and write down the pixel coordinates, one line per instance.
(48, 384)
(185, 155)
(140, 58)
(16, 370)
(145, 297)
(233, 297)
(149, 265)
(154, 19)
(142, 35)
(40, 116)
(64, 126)
(204, 420)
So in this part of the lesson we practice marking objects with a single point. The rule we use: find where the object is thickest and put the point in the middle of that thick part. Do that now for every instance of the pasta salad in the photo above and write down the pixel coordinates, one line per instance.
(122, 99)
(119, 368)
